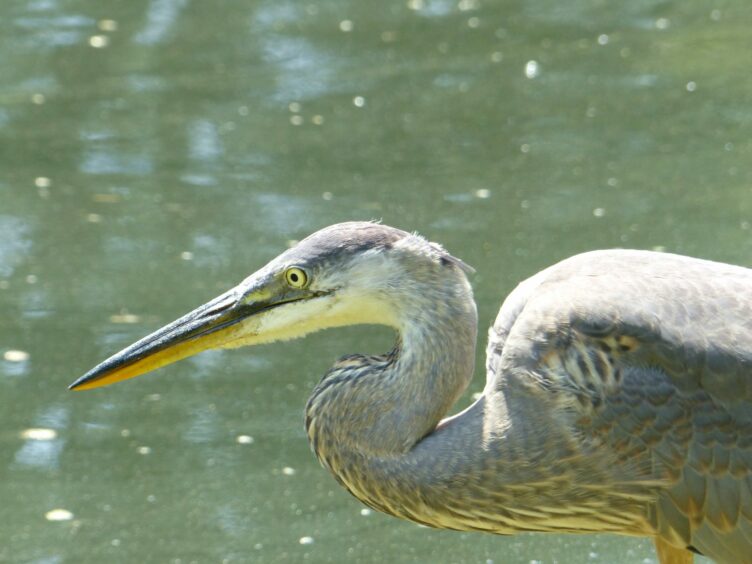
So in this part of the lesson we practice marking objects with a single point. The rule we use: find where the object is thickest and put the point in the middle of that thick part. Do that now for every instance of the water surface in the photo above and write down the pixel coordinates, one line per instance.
(156, 152)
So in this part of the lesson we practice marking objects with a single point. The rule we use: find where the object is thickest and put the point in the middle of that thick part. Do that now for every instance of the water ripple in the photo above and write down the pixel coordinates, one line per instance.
(303, 71)
(15, 243)
(204, 143)
(103, 162)
(39, 454)
(160, 17)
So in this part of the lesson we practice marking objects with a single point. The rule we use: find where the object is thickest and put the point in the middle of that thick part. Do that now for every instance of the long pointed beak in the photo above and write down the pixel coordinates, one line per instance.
(212, 325)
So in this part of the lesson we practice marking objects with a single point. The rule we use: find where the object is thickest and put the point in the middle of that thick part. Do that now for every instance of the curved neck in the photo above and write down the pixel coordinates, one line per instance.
(383, 405)
(380, 407)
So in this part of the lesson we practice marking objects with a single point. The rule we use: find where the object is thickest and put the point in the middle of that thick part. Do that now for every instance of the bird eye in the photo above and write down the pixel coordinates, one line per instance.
(296, 277)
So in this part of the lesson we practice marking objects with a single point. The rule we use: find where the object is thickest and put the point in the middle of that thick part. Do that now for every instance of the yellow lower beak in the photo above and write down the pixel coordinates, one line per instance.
(209, 326)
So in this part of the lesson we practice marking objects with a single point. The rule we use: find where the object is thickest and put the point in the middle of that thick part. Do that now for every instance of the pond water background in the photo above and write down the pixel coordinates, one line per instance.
(155, 152)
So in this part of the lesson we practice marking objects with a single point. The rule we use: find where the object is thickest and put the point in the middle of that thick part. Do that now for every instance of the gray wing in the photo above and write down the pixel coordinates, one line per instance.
(650, 354)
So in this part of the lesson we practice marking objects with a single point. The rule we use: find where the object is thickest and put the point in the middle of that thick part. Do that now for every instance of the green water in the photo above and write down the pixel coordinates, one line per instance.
(153, 153)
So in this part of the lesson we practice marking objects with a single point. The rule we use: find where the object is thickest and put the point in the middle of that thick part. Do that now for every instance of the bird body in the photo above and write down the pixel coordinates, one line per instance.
(618, 395)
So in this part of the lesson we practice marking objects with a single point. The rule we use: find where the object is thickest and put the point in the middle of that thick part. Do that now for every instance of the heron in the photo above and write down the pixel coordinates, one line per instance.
(618, 394)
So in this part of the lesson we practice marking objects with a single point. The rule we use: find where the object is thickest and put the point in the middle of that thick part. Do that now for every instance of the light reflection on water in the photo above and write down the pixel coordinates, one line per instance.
(204, 140)
(16, 243)
(155, 166)
(302, 72)
(39, 454)
(161, 17)
(42, 447)
(101, 161)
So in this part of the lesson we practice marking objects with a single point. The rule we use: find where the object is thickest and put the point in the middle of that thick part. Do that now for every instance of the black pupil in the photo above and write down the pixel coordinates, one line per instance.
(294, 276)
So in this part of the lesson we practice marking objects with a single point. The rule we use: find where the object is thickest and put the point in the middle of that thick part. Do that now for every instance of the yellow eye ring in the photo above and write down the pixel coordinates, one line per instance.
(296, 277)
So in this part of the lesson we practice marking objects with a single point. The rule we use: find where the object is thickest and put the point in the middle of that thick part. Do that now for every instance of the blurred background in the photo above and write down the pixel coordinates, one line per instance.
(155, 152)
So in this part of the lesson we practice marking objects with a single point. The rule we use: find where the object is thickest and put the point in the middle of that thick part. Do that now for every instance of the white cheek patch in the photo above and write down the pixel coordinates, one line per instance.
(296, 319)
(357, 308)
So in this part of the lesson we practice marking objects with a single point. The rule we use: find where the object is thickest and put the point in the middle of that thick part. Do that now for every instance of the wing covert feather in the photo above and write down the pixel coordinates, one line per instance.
(650, 355)
(689, 317)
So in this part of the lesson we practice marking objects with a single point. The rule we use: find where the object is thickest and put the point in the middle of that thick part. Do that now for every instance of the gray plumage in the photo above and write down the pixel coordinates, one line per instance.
(618, 395)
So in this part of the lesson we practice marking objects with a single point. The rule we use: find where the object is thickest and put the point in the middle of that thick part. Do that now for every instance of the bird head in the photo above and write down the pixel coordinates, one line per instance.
(345, 274)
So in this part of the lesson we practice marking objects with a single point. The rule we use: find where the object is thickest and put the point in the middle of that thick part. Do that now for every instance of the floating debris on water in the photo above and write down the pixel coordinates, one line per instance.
(532, 69)
(125, 317)
(244, 439)
(143, 450)
(58, 515)
(16, 356)
(365, 512)
(99, 41)
(287, 471)
(106, 198)
(107, 25)
(306, 540)
(39, 434)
